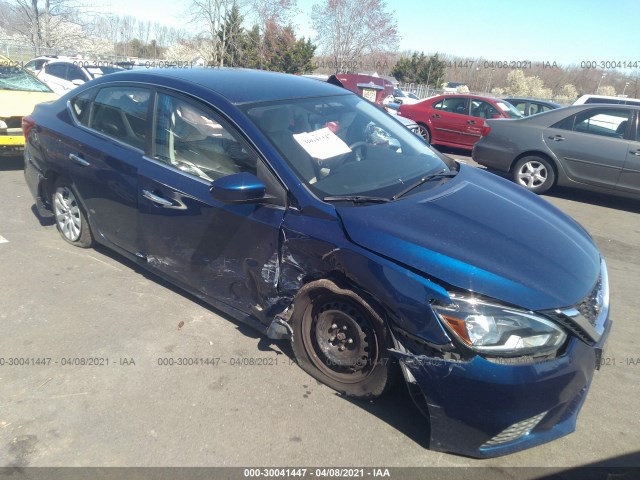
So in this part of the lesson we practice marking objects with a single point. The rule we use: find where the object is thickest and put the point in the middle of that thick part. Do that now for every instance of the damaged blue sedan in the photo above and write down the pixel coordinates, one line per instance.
(305, 211)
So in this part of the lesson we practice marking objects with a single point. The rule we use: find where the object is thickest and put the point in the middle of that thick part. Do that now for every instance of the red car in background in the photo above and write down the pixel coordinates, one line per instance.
(374, 89)
(456, 120)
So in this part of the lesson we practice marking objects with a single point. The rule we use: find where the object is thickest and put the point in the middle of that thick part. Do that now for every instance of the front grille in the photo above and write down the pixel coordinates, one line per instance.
(515, 431)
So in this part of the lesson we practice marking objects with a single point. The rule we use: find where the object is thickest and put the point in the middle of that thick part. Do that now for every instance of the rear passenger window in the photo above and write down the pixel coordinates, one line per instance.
(455, 105)
(606, 122)
(75, 73)
(56, 69)
(121, 113)
(195, 140)
(520, 106)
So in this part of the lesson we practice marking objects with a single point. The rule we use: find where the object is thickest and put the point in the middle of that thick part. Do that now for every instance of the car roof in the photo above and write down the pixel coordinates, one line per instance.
(528, 99)
(557, 114)
(467, 95)
(235, 84)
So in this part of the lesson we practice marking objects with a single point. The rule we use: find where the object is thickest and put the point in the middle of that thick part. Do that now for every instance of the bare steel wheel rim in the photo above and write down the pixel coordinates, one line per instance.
(532, 174)
(341, 340)
(67, 213)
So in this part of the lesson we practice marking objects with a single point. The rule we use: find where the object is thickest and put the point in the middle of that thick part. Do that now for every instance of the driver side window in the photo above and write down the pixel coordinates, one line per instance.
(195, 140)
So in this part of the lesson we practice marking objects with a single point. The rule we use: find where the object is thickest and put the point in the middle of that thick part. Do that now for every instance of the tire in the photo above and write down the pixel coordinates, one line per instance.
(71, 221)
(343, 343)
(534, 173)
(424, 133)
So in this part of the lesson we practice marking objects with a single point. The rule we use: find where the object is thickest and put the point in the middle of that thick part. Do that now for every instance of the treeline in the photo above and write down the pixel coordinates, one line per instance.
(543, 79)
(218, 36)
(352, 36)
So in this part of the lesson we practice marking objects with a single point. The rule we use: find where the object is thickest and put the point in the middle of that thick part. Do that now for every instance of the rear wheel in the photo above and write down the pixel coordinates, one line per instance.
(424, 133)
(70, 218)
(343, 344)
(534, 173)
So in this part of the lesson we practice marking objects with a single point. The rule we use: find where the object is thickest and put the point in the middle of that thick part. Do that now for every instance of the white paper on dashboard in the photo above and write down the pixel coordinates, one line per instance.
(322, 143)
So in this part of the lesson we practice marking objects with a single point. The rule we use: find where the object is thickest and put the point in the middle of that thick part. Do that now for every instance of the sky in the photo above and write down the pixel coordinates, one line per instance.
(561, 31)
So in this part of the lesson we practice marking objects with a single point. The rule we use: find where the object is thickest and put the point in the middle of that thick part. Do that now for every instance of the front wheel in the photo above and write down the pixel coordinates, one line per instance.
(534, 173)
(71, 221)
(343, 344)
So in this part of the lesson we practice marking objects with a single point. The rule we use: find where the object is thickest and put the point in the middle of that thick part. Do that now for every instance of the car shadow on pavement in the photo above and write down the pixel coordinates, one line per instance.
(462, 152)
(44, 221)
(11, 163)
(630, 205)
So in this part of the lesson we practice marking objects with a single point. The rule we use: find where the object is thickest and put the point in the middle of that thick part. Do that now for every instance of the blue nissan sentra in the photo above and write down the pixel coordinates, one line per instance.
(305, 211)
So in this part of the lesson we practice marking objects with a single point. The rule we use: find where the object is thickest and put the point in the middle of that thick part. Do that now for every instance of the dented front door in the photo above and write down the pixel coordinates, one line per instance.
(228, 252)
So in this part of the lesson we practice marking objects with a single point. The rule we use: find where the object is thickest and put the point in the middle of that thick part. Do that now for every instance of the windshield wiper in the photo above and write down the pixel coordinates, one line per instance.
(356, 199)
(441, 174)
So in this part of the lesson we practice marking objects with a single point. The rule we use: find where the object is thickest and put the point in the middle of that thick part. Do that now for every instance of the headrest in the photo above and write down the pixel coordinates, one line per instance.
(275, 119)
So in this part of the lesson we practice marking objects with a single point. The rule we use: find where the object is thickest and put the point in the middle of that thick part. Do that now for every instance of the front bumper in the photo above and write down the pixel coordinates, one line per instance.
(485, 409)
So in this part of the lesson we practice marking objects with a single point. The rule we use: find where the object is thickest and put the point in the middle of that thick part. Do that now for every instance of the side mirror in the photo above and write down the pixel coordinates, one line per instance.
(238, 188)
(77, 82)
(496, 115)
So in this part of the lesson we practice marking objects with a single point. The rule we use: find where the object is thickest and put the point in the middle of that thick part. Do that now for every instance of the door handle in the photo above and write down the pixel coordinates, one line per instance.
(471, 122)
(80, 161)
(557, 138)
(156, 199)
(435, 115)
(636, 152)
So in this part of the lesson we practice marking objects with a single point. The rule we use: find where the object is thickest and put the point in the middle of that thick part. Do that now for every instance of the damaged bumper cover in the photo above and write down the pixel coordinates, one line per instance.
(486, 408)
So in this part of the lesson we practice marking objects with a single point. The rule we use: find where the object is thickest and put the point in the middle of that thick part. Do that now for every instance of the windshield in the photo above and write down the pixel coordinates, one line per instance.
(345, 146)
(13, 77)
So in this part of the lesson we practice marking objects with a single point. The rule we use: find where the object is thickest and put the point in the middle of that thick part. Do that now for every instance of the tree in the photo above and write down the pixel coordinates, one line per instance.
(349, 29)
(271, 17)
(518, 84)
(211, 16)
(607, 90)
(420, 69)
(46, 24)
(286, 53)
(230, 35)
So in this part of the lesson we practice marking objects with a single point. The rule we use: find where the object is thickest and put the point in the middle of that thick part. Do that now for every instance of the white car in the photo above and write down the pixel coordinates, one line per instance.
(584, 99)
(64, 75)
(405, 98)
(35, 65)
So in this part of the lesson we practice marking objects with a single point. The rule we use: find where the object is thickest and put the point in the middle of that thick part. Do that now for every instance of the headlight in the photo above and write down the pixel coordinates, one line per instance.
(495, 329)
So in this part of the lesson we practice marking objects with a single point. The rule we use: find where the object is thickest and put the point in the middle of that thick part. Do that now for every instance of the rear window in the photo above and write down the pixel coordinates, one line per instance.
(604, 100)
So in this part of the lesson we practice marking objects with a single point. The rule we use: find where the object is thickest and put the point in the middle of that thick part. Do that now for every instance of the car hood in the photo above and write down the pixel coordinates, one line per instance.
(481, 233)
(14, 103)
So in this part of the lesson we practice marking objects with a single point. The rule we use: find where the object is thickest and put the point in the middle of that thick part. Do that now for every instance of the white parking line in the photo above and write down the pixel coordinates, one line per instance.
(3, 240)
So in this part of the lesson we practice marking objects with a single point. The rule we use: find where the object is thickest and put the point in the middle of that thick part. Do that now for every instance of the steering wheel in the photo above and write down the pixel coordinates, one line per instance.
(342, 159)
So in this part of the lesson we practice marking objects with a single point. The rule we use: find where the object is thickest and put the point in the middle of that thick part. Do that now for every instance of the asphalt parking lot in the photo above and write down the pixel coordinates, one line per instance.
(252, 406)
